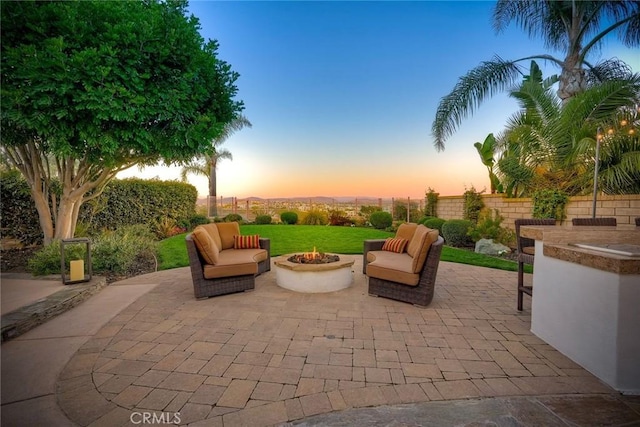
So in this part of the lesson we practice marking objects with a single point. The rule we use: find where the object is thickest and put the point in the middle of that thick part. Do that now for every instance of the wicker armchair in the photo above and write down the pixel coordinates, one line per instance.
(595, 221)
(204, 288)
(422, 293)
(526, 252)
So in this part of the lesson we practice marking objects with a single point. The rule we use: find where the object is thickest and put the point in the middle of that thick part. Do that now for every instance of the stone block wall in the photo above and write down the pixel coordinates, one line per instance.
(625, 208)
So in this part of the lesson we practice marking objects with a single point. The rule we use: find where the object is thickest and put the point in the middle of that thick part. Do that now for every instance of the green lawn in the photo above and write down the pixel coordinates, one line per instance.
(287, 239)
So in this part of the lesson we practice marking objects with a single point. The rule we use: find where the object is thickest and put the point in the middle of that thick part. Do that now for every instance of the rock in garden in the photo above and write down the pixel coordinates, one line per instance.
(489, 247)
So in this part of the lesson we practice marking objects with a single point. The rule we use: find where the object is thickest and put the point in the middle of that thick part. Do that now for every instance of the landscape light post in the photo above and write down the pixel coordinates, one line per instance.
(595, 173)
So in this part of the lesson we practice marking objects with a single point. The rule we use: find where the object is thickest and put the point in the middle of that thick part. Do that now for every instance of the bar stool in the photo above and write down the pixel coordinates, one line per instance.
(526, 252)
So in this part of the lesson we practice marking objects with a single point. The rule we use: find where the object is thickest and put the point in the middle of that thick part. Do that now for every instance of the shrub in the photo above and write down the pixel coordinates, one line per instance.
(198, 219)
(435, 223)
(289, 217)
(47, 260)
(339, 218)
(400, 211)
(431, 205)
(111, 252)
(489, 227)
(381, 220)
(167, 227)
(425, 218)
(116, 252)
(455, 232)
(473, 203)
(549, 204)
(366, 211)
(232, 217)
(263, 219)
(315, 217)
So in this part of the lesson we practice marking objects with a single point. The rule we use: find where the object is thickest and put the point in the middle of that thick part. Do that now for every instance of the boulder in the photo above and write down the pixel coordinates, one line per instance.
(489, 247)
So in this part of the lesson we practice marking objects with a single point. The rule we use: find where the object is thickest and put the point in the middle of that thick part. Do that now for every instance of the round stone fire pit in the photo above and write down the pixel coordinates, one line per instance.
(313, 277)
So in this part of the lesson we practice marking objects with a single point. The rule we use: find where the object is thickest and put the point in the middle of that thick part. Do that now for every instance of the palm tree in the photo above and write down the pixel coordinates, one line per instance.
(569, 25)
(548, 144)
(526, 157)
(206, 165)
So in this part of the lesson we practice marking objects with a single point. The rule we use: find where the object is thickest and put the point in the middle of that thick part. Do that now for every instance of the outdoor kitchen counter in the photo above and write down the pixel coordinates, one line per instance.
(558, 243)
(585, 301)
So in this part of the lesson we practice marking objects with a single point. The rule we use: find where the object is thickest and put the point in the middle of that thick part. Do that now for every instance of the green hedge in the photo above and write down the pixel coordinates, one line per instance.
(123, 202)
(137, 201)
(18, 214)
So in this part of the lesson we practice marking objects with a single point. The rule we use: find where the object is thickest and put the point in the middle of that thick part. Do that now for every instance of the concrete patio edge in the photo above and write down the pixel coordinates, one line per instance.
(23, 319)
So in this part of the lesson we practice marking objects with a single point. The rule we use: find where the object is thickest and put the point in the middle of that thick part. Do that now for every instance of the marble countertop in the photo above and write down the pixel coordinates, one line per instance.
(557, 242)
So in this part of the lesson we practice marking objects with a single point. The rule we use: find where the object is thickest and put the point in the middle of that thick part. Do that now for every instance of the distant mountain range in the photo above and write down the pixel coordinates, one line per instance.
(315, 199)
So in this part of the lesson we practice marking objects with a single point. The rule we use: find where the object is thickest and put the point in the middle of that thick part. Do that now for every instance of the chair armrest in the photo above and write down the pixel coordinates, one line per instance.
(373, 245)
(370, 245)
(266, 245)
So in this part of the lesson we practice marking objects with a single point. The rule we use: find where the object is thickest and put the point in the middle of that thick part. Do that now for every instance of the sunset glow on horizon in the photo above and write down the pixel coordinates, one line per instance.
(342, 95)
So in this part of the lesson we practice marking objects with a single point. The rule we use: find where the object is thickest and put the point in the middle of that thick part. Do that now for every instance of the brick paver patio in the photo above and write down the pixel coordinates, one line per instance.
(271, 356)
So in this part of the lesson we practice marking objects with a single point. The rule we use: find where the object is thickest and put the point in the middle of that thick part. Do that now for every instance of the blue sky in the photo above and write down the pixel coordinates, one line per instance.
(342, 95)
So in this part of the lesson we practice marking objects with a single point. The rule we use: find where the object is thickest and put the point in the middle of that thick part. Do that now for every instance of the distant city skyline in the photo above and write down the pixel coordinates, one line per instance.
(342, 95)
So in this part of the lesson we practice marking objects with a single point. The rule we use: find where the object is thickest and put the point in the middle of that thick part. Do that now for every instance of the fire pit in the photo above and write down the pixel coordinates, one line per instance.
(313, 272)
(313, 258)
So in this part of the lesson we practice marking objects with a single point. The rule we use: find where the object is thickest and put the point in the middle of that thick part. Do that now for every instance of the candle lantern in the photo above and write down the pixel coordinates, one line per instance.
(79, 269)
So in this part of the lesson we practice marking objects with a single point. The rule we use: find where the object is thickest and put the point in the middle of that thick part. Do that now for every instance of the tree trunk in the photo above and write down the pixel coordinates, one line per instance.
(572, 79)
(44, 213)
(67, 217)
(213, 196)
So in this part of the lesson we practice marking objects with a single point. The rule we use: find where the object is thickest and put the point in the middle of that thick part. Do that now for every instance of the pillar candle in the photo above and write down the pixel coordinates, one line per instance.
(77, 270)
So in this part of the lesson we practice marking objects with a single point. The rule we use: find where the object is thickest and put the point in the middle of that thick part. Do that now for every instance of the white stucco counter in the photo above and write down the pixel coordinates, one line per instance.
(586, 302)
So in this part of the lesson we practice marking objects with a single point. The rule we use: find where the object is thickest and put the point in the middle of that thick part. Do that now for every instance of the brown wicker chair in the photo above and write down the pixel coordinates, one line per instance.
(526, 251)
(638, 221)
(204, 288)
(422, 293)
(595, 221)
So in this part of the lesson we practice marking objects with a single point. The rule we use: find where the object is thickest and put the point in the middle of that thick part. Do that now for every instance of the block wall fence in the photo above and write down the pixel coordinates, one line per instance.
(625, 208)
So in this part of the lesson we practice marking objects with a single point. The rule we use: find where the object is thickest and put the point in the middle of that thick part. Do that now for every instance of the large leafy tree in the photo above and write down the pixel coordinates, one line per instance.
(91, 88)
(573, 27)
(207, 164)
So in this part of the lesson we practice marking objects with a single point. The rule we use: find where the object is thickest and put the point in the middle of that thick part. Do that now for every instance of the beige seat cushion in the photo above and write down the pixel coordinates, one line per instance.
(205, 245)
(392, 266)
(419, 246)
(227, 230)
(529, 250)
(235, 262)
(406, 230)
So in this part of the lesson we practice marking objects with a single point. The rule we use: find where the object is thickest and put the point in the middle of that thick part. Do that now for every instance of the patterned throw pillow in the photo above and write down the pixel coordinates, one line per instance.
(395, 244)
(246, 242)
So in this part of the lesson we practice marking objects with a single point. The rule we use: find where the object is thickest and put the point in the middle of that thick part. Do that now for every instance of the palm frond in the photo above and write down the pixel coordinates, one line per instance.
(611, 69)
(544, 19)
(223, 154)
(620, 169)
(194, 168)
(484, 81)
(230, 128)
